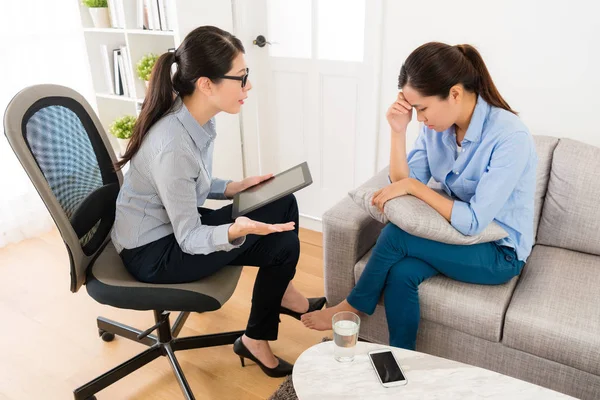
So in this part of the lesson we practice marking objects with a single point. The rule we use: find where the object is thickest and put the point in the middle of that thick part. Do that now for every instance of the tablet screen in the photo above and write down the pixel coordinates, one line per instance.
(271, 188)
(280, 185)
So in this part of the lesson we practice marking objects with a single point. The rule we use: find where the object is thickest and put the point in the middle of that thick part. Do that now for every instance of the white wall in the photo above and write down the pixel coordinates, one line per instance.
(544, 57)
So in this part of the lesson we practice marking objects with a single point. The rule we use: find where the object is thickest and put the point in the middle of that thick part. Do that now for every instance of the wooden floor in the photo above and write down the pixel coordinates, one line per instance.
(50, 343)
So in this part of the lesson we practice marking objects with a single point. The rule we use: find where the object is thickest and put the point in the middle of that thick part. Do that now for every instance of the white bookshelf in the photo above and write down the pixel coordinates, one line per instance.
(138, 42)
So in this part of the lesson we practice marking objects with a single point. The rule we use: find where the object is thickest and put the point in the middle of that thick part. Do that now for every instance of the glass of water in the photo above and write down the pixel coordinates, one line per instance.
(345, 335)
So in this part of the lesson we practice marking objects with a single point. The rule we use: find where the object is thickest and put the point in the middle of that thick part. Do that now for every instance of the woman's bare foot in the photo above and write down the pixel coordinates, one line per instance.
(261, 350)
(321, 320)
(294, 300)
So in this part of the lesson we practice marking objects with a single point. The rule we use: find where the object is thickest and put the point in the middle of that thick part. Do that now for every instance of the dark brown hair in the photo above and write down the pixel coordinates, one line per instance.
(206, 51)
(433, 68)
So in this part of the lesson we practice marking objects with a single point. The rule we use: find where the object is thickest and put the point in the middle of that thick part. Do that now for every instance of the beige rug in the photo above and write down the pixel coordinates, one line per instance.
(285, 391)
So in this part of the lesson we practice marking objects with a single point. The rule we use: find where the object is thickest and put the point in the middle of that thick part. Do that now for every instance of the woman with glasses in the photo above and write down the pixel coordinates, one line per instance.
(162, 233)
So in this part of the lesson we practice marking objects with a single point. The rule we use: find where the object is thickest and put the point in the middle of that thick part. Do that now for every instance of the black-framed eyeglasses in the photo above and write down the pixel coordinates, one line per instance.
(243, 78)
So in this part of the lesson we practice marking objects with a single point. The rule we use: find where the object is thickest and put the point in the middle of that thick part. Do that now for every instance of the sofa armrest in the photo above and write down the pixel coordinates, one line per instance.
(348, 233)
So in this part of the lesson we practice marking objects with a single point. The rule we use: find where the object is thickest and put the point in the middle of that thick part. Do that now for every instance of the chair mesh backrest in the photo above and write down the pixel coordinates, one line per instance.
(66, 146)
(65, 155)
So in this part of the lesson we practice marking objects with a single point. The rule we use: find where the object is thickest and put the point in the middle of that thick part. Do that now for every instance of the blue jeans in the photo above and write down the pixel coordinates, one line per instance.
(400, 262)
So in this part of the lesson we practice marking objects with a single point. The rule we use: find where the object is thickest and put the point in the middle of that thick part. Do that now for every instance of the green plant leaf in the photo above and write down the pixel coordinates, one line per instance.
(95, 3)
(145, 65)
(122, 128)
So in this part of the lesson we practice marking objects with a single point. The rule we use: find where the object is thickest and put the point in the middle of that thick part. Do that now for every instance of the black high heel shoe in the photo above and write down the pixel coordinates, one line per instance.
(284, 368)
(314, 304)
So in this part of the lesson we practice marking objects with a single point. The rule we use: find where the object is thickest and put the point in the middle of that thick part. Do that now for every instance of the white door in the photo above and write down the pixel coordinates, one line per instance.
(315, 93)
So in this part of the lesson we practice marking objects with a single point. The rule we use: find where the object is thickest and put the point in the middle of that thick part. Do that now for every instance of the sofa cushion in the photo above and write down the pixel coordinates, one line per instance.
(418, 218)
(571, 216)
(474, 309)
(555, 310)
(544, 147)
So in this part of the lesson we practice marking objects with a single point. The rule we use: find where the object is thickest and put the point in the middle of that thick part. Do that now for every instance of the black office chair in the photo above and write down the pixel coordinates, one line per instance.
(62, 146)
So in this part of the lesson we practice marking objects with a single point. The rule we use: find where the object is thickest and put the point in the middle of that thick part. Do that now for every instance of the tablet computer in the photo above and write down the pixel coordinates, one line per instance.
(280, 185)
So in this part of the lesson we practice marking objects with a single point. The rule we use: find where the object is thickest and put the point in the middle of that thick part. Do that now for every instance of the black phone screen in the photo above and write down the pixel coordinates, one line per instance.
(386, 367)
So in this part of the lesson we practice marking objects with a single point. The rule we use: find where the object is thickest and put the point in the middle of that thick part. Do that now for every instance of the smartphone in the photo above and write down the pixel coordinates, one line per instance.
(387, 368)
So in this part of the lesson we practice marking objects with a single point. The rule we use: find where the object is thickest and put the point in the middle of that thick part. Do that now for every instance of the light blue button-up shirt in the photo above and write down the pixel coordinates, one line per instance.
(168, 178)
(492, 177)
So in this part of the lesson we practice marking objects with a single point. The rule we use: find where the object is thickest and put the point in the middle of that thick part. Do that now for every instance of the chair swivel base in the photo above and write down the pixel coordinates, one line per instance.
(164, 344)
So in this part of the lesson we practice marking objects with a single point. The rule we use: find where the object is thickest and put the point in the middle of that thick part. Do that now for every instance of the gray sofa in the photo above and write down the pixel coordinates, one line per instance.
(542, 327)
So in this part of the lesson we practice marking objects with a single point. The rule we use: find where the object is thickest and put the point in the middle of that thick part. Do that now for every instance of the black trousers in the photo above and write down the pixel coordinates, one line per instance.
(276, 255)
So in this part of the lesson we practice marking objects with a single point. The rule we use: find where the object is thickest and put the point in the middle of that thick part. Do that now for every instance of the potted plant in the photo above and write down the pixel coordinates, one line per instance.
(122, 129)
(99, 12)
(145, 65)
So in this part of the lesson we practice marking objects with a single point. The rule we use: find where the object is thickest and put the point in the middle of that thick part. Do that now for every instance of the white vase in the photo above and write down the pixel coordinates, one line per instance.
(123, 145)
(100, 17)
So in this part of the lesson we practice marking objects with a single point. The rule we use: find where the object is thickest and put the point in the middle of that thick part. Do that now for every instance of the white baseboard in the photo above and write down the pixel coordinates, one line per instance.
(215, 204)
(312, 223)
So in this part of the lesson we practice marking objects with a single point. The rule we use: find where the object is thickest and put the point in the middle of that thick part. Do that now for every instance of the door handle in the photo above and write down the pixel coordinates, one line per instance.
(261, 41)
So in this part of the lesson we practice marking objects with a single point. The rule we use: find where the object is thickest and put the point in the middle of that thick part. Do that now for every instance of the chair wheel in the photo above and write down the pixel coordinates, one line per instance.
(107, 337)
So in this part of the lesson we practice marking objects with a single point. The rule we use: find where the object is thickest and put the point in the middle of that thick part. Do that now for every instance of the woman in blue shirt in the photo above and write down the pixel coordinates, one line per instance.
(162, 233)
(476, 147)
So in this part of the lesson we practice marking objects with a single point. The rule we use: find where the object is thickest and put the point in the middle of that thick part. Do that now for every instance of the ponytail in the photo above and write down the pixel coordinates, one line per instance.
(485, 85)
(158, 101)
(433, 68)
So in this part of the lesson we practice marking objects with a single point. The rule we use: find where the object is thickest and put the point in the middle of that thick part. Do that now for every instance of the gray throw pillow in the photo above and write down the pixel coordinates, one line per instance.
(418, 218)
